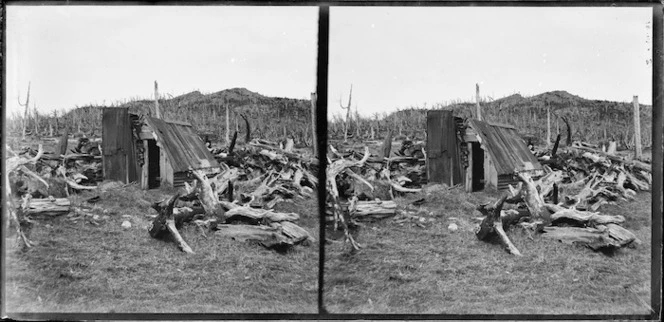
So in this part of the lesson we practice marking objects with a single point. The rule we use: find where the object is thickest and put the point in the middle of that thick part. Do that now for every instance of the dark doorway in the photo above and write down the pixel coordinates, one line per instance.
(154, 172)
(478, 167)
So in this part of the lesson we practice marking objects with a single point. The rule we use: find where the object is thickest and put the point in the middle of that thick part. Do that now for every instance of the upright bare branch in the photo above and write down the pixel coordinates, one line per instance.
(478, 113)
(347, 108)
(156, 100)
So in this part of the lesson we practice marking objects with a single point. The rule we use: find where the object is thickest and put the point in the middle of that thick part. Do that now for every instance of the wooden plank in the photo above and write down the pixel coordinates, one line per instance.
(145, 173)
(469, 169)
(163, 172)
(637, 129)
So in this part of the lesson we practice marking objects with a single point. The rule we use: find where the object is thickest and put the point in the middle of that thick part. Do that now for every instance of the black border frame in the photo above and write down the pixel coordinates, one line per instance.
(321, 88)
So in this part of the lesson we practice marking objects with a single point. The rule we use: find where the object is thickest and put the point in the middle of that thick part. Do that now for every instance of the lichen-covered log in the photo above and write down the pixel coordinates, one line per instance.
(296, 233)
(591, 237)
(255, 215)
(583, 217)
(373, 210)
(623, 236)
(48, 206)
(269, 237)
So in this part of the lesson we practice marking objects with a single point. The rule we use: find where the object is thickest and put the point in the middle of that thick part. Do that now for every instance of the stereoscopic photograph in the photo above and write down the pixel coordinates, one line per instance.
(489, 160)
(160, 159)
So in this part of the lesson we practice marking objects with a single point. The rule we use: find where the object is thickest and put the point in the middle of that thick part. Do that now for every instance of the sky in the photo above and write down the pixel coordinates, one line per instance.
(79, 55)
(402, 57)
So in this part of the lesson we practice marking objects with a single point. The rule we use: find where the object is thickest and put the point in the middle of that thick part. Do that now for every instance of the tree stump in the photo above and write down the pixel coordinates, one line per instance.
(164, 224)
(493, 224)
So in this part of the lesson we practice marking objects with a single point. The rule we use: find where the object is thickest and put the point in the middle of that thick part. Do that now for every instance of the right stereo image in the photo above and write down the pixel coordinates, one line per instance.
(489, 160)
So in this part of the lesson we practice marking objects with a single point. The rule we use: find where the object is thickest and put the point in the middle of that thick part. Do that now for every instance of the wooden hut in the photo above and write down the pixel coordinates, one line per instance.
(151, 151)
(475, 153)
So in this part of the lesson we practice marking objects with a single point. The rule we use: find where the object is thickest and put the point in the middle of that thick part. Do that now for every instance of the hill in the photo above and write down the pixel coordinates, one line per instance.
(269, 117)
(590, 120)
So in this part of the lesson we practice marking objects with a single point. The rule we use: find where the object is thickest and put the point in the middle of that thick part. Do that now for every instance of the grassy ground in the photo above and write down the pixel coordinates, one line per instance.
(95, 265)
(404, 268)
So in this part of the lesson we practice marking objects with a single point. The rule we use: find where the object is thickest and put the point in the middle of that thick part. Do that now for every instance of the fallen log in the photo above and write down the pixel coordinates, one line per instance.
(590, 237)
(583, 217)
(255, 215)
(623, 236)
(373, 210)
(296, 233)
(637, 183)
(164, 224)
(268, 237)
(48, 206)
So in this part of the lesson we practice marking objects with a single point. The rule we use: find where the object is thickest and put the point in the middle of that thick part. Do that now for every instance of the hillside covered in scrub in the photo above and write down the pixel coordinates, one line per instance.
(269, 117)
(590, 120)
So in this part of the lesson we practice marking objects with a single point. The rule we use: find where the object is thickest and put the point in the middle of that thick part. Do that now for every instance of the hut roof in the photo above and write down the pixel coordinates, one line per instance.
(506, 148)
(183, 147)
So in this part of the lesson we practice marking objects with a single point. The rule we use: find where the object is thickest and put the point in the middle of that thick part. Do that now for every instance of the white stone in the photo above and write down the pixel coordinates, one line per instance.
(126, 224)
(453, 227)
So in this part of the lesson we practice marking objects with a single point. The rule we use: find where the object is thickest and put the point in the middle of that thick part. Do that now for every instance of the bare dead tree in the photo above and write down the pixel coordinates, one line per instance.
(478, 113)
(247, 137)
(569, 131)
(347, 108)
(156, 100)
(25, 115)
(36, 118)
(357, 122)
(637, 128)
(228, 124)
(313, 124)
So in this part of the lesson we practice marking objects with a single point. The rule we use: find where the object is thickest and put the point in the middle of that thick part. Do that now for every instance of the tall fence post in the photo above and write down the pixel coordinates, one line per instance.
(637, 129)
(478, 113)
(548, 125)
(313, 124)
(156, 100)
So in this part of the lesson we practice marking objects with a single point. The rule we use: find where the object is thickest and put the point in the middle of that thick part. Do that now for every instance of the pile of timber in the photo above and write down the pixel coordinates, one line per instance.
(271, 173)
(237, 202)
(361, 187)
(589, 177)
(242, 222)
(21, 168)
(563, 204)
(76, 171)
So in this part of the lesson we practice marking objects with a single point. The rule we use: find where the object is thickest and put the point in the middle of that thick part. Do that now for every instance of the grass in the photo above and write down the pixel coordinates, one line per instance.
(88, 265)
(404, 268)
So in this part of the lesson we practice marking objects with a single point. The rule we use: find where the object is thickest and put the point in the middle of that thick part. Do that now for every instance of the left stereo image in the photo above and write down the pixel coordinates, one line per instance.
(160, 159)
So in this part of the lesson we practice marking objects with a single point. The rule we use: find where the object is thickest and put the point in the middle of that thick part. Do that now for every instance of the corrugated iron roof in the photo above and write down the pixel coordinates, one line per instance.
(183, 147)
(506, 148)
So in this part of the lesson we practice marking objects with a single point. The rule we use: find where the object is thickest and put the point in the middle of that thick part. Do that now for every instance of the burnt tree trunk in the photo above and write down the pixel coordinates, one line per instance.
(493, 224)
(164, 224)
